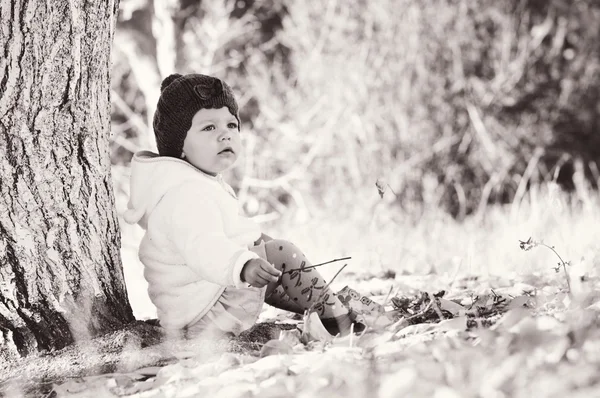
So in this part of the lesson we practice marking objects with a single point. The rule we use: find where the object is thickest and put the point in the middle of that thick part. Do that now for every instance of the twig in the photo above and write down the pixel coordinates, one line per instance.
(316, 265)
(397, 325)
(396, 195)
(332, 279)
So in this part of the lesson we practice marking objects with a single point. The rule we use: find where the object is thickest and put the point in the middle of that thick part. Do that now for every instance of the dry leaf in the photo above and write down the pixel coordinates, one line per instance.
(416, 329)
(275, 347)
(375, 321)
(511, 318)
(459, 323)
(148, 371)
(519, 302)
(314, 330)
(291, 337)
(452, 307)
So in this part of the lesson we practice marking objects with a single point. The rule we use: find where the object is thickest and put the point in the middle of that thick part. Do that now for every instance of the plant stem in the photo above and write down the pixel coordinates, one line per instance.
(316, 265)
(562, 262)
(392, 191)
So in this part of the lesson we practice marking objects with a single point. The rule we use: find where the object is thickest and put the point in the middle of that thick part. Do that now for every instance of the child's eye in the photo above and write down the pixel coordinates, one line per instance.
(210, 127)
(232, 125)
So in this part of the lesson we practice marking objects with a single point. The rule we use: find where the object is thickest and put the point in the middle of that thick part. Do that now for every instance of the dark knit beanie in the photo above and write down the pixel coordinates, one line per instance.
(180, 98)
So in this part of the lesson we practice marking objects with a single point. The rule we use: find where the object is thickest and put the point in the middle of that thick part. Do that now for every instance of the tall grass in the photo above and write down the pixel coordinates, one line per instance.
(444, 99)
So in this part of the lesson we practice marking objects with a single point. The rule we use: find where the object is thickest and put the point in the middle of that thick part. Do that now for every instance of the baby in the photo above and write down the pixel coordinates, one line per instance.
(209, 269)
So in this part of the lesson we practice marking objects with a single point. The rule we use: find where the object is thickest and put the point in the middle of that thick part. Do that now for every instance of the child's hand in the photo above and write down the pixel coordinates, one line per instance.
(258, 272)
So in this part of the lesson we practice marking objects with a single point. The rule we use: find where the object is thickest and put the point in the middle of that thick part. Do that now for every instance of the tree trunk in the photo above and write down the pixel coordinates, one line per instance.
(61, 278)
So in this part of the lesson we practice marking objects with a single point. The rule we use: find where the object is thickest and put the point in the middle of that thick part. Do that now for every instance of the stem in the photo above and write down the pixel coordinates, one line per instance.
(562, 263)
(332, 279)
(396, 327)
(392, 191)
(316, 265)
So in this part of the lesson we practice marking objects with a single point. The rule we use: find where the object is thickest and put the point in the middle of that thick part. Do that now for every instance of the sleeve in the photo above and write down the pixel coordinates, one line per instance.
(249, 230)
(197, 231)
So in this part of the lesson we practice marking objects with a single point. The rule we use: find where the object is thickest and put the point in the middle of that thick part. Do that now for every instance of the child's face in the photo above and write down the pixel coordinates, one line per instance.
(213, 142)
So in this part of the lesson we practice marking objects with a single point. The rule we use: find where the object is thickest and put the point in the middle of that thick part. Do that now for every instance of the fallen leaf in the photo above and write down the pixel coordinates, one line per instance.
(314, 330)
(415, 329)
(458, 323)
(511, 318)
(137, 388)
(451, 306)
(275, 347)
(519, 301)
(72, 386)
(595, 306)
(149, 371)
(292, 337)
(524, 287)
(376, 321)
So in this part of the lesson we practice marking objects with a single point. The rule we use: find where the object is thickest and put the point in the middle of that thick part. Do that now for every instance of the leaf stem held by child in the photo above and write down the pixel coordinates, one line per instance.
(316, 265)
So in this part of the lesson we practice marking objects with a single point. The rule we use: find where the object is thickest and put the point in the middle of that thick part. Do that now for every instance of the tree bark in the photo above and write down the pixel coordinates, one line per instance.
(61, 278)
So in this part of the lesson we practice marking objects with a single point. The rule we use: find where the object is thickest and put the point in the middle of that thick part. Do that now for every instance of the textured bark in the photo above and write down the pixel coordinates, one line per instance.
(61, 277)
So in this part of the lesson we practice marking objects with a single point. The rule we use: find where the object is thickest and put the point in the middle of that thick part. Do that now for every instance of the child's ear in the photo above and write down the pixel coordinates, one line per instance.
(182, 155)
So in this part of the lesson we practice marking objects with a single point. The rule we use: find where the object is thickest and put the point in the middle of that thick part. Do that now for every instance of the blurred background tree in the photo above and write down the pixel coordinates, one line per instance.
(457, 104)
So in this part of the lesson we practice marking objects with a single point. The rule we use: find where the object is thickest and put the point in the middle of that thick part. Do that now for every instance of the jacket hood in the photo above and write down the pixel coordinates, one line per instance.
(152, 176)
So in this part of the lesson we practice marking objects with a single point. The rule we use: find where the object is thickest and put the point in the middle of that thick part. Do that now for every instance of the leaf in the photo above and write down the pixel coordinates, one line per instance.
(69, 387)
(291, 337)
(418, 328)
(595, 306)
(275, 347)
(511, 318)
(149, 371)
(314, 329)
(372, 340)
(458, 323)
(450, 306)
(519, 302)
(138, 387)
(485, 301)
(375, 321)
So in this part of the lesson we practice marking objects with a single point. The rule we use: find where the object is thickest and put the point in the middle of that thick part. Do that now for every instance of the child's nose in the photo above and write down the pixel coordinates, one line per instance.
(225, 135)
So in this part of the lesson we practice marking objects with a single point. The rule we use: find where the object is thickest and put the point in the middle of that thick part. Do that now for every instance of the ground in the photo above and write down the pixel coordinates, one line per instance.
(493, 337)
(473, 309)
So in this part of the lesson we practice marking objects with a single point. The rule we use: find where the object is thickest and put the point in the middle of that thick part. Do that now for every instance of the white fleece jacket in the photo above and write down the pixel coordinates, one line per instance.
(196, 242)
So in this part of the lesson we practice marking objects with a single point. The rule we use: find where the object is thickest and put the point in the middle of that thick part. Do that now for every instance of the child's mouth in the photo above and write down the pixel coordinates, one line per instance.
(226, 151)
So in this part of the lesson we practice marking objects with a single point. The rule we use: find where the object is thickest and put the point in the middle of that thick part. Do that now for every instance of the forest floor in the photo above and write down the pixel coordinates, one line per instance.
(460, 311)
(492, 337)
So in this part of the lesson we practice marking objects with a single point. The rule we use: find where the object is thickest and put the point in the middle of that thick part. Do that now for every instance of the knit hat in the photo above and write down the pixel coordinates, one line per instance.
(180, 98)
